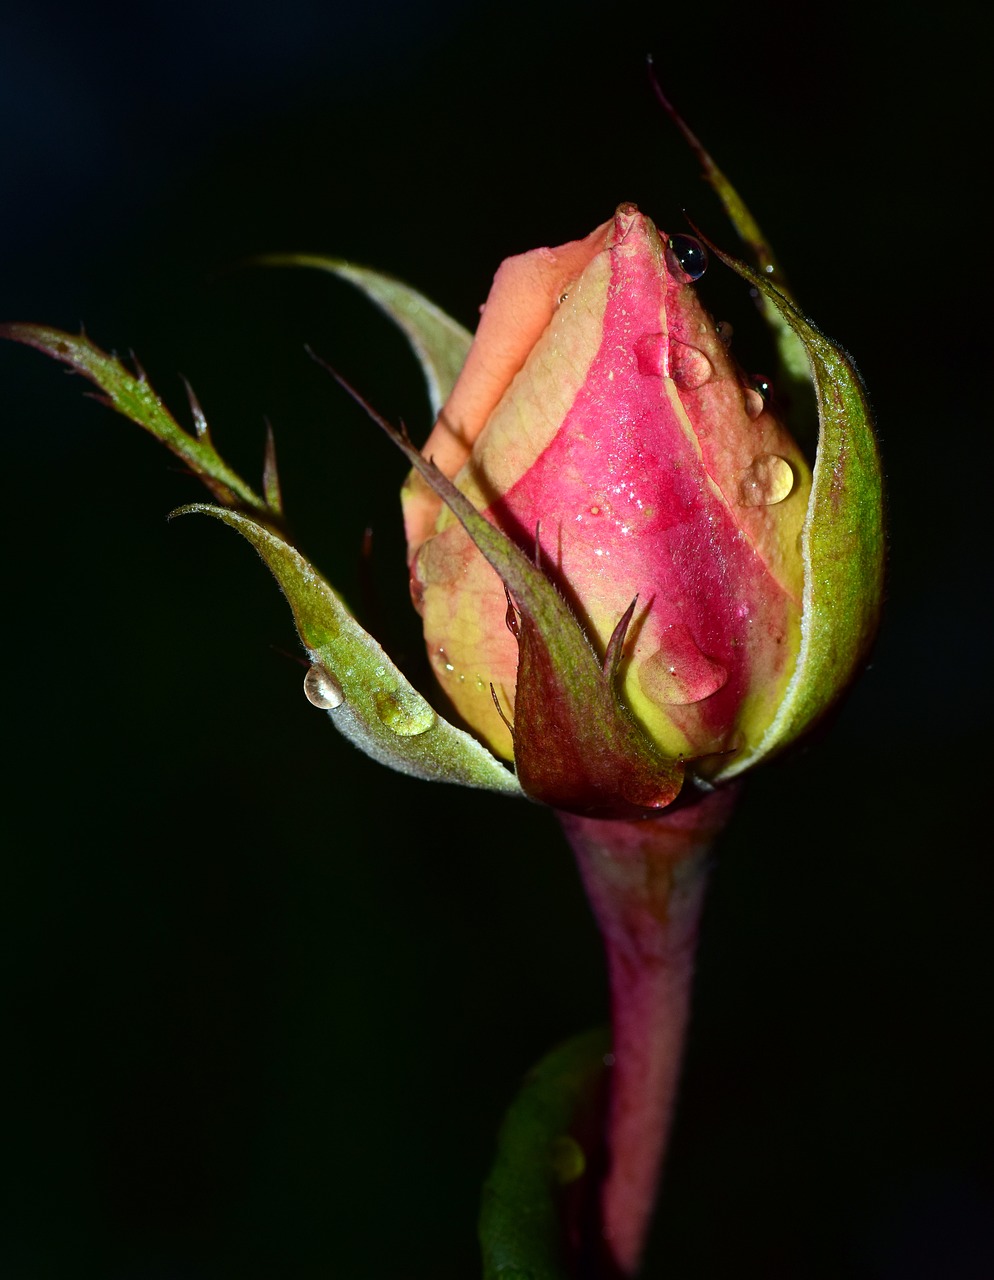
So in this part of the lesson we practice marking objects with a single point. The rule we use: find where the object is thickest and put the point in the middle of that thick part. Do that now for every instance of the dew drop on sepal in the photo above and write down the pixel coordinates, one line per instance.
(321, 689)
(686, 258)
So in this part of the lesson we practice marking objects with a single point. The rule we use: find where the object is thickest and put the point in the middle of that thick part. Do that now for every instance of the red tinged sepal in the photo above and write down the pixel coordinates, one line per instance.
(577, 747)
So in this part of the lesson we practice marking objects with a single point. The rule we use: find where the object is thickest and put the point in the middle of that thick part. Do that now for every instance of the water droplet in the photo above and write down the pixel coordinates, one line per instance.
(767, 481)
(650, 354)
(724, 331)
(689, 366)
(686, 258)
(762, 384)
(321, 689)
(403, 711)
(567, 1158)
(754, 403)
(678, 673)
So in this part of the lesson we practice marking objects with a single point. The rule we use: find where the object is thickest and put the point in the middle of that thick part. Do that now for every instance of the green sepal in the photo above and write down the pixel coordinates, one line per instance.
(381, 712)
(543, 1159)
(440, 343)
(576, 746)
(131, 395)
(842, 540)
(792, 376)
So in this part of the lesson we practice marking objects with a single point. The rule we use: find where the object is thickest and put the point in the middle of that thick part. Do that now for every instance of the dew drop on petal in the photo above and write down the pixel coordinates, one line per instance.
(754, 403)
(678, 673)
(768, 480)
(689, 366)
(321, 689)
(724, 331)
(403, 711)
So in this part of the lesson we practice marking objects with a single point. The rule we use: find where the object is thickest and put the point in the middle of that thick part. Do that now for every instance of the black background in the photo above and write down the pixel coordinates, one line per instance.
(268, 1000)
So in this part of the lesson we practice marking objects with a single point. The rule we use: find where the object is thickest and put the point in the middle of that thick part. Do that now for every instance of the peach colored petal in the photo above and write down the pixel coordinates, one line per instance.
(522, 301)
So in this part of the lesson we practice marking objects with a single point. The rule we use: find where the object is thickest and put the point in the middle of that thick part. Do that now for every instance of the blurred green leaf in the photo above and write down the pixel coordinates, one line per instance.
(522, 1232)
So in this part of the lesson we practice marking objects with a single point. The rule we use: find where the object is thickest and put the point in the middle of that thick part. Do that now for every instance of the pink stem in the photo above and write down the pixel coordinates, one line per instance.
(645, 881)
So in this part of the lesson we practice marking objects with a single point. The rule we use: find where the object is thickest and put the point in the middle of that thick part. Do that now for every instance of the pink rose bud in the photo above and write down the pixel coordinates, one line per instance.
(601, 423)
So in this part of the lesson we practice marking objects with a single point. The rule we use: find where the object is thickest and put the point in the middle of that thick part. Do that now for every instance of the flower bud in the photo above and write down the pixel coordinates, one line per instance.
(601, 423)
(635, 575)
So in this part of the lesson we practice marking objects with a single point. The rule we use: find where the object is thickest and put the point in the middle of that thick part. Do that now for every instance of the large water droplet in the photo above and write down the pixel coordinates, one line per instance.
(689, 366)
(767, 481)
(757, 394)
(678, 673)
(403, 711)
(686, 258)
(321, 689)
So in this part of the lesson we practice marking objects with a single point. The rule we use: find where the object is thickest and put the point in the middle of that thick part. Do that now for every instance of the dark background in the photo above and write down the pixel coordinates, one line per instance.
(268, 1000)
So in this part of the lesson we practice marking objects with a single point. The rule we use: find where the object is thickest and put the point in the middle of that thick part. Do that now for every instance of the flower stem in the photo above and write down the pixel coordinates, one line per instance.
(645, 881)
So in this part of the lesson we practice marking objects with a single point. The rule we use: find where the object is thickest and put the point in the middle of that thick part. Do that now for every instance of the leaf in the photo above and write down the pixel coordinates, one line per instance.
(439, 342)
(842, 541)
(380, 711)
(133, 397)
(523, 1234)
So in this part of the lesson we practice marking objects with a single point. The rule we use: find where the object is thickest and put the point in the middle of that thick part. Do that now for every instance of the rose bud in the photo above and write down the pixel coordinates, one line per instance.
(602, 424)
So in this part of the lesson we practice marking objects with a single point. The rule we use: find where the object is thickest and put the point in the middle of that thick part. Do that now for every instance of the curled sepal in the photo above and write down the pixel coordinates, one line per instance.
(367, 698)
(132, 395)
(576, 745)
(534, 1208)
(439, 342)
(842, 540)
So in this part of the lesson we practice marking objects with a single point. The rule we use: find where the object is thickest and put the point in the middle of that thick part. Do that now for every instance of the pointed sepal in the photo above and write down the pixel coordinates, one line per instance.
(132, 395)
(842, 539)
(576, 745)
(439, 342)
(793, 371)
(368, 699)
